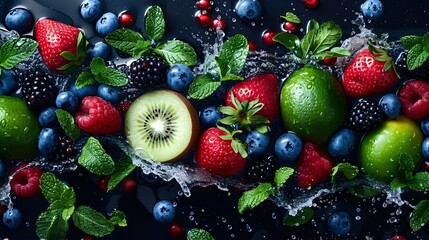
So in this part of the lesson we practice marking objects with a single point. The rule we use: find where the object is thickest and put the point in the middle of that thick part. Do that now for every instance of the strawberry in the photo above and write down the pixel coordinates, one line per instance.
(414, 96)
(372, 71)
(63, 47)
(314, 166)
(25, 183)
(218, 152)
(252, 99)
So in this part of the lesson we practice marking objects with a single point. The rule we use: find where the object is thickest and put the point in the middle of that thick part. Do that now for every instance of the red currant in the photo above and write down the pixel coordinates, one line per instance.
(3, 209)
(87, 237)
(175, 230)
(267, 37)
(129, 184)
(289, 27)
(203, 18)
(204, 5)
(126, 18)
(398, 237)
(218, 23)
(311, 3)
(427, 166)
(102, 183)
(329, 61)
(252, 45)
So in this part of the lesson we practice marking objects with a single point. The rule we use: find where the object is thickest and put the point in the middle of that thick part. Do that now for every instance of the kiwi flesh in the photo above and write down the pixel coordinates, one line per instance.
(162, 125)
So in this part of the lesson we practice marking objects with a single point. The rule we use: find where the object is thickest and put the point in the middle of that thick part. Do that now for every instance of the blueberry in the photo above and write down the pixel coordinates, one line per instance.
(425, 126)
(91, 10)
(12, 218)
(179, 77)
(102, 50)
(257, 143)
(391, 105)
(68, 101)
(288, 147)
(47, 139)
(20, 20)
(7, 82)
(108, 23)
(88, 90)
(425, 148)
(108, 93)
(372, 9)
(209, 116)
(339, 223)
(342, 143)
(47, 117)
(249, 10)
(164, 211)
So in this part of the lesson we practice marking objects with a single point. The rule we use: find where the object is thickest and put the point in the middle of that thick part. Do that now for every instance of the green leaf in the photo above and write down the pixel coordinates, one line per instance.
(203, 86)
(52, 188)
(118, 218)
(291, 17)
(312, 25)
(363, 191)
(155, 23)
(98, 66)
(306, 43)
(95, 159)
(410, 41)
(67, 213)
(406, 166)
(91, 222)
(47, 218)
(398, 183)
(349, 171)
(304, 215)
(231, 77)
(232, 56)
(140, 48)
(67, 123)
(68, 198)
(122, 169)
(290, 41)
(425, 42)
(176, 51)
(416, 57)
(199, 234)
(112, 77)
(282, 175)
(254, 197)
(420, 215)
(58, 229)
(84, 79)
(420, 182)
(15, 51)
(327, 36)
(334, 52)
(125, 40)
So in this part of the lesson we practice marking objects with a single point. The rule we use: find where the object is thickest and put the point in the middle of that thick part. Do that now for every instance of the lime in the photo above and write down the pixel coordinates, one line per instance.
(313, 104)
(19, 129)
(381, 148)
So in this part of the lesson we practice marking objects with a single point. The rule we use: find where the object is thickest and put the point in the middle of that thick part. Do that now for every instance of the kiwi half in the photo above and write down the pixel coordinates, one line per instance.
(162, 125)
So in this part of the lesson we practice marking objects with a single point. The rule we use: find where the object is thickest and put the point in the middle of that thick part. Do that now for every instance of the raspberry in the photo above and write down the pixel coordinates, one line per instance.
(64, 148)
(364, 116)
(262, 169)
(38, 89)
(414, 96)
(26, 183)
(147, 72)
(314, 166)
(97, 117)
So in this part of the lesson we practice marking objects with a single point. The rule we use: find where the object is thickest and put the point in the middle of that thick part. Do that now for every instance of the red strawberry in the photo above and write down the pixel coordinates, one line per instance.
(218, 152)
(414, 96)
(63, 47)
(372, 71)
(97, 117)
(26, 183)
(314, 165)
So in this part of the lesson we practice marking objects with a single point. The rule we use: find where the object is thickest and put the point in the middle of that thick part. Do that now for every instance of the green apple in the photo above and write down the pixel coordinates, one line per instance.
(381, 148)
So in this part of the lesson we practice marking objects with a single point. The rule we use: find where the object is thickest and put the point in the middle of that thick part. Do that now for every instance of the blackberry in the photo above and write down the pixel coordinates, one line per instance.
(65, 148)
(420, 73)
(365, 115)
(262, 169)
(38, 89)
(147, 72)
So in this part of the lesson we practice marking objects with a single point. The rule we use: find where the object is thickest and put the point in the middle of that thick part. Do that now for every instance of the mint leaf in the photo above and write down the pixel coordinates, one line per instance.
(203, 86)
(416, 57)
(327, 36)
(410, 41)
(232, 56)
(112, 77)
(304, 215)
(282, 175)
(125, 40)
(58, 229)
(199, 234)
(312, 25)
(84, 79)
(67, 213)
(98, 66)
(155, 23)
(140, 48)
(95, 159)
(420, 215)
(15, 51)
(254, 197)
(68, 198)
(291, 17)
(231, 77)
(118, 218)
(123, 167)
(67, 123)
(349, 171)
(91, 222)
(425, 42)
(398, 183)
(420, 182)
(51, 187)
(47, 218)
(176, 51)
(363, 191)
(290, 41)
(334, 52)
(306, 42)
